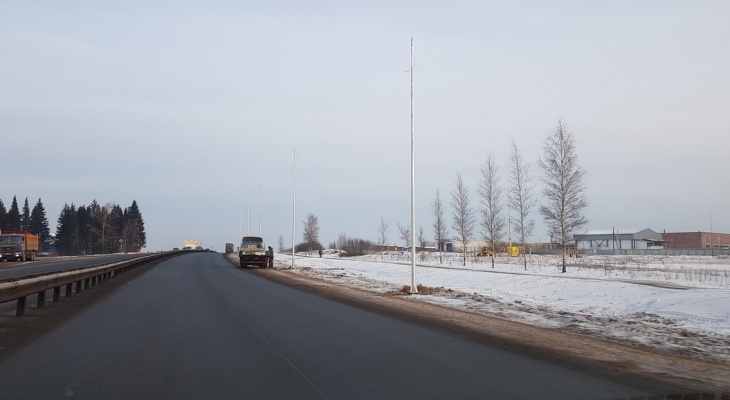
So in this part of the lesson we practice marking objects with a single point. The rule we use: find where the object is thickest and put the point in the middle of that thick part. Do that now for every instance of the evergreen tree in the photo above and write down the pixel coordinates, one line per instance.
(13, 217)
(85, 240)
(134, 225)
(3, 216)
(25, 218)
(93, 228)
(115, 241)
(39, 222)
(67, 231)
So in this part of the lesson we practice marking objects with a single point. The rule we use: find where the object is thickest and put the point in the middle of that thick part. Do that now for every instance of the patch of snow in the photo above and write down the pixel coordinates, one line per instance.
(678, 304)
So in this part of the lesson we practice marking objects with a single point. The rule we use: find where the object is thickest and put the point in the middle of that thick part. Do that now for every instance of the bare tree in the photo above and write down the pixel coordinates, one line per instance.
(383, 231)
(439, 225)
(103, 221)
(405, 234)
(421, 242)
(341, 241)
(521, 199)
(280, 243)
(490, 195)
(311, 231)
(352, 246)
(463, 214)
(564, 186)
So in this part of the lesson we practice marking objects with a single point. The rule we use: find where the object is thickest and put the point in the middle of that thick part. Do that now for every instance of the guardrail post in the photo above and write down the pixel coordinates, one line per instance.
(41, 299)
(86, 283)
(69, 289)
(56, 294)
(78, 286)
(20, 308)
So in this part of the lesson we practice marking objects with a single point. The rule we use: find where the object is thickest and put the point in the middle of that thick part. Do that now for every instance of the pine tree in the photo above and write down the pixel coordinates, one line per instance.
(133, 228)
(3, 216)
(115, 241)
(93, 236)
(39, 222)
(13, 217)
(25, 218)
(67, 231)
(85, 242)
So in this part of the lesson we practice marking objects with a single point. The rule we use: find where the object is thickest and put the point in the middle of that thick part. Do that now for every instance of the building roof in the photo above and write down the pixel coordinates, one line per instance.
(611, 231)
(620, 234)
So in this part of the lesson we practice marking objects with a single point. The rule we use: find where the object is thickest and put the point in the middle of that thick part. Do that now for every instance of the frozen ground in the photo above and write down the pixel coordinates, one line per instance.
(677, 304)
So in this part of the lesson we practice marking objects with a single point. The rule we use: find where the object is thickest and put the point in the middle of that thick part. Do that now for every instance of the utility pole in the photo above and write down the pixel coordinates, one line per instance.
(294, 211)
(260, 235)
(414, 289)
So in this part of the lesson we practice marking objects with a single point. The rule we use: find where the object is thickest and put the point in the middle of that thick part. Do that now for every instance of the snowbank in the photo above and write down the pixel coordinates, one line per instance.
(679, 304)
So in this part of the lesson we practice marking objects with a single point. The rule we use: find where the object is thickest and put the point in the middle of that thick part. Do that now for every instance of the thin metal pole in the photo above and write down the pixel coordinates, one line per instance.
(260, 211)
(294, 212)
(414, 289)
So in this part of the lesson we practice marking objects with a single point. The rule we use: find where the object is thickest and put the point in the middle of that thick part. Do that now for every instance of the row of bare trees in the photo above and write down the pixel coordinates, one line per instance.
(562, 206)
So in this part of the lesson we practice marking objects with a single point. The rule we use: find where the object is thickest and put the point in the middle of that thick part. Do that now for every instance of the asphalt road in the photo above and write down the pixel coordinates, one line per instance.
(195, 326)
(11, 269)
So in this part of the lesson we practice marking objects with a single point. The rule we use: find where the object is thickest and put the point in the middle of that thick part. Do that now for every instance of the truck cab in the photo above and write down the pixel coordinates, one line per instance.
(18, 246)
(253, 252)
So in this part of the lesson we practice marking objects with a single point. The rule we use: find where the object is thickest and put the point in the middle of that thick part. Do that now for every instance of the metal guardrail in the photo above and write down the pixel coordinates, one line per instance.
(83, 278)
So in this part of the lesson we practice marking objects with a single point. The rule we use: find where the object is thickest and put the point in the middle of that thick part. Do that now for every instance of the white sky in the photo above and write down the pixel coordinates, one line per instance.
(188, 107)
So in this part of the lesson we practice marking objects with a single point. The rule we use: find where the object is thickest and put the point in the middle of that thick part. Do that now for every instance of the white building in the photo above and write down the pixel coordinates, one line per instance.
(620, 239)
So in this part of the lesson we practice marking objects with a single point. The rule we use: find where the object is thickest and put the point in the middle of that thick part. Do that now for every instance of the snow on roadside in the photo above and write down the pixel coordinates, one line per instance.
(675, 304)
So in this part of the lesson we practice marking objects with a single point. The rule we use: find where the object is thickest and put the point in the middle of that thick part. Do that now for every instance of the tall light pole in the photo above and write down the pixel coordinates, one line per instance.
(414, 290)
(294, 211)
(260, 211)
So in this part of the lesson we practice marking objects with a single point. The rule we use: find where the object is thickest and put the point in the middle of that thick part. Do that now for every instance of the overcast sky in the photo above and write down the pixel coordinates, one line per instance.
(191, 107)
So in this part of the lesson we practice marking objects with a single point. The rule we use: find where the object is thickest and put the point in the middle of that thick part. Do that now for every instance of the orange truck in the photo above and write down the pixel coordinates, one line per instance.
(18, 246)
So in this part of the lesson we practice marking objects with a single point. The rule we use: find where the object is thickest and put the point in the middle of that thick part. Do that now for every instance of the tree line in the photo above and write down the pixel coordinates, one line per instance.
(33, 221)
(562, 207)
(100, 229)
(93, 229)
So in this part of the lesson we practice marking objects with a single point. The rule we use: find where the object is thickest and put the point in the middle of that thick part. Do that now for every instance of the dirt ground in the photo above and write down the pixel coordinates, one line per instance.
(625, 362)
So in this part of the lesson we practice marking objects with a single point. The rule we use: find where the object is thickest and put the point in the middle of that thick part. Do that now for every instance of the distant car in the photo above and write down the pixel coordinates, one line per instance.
(175, 249)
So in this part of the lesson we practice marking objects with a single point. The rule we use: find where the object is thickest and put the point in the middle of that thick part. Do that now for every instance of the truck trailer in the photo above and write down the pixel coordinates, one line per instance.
(18, 246)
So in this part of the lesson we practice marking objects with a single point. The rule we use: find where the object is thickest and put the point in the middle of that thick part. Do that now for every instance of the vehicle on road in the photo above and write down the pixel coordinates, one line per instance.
(229, 247)
(253, 252)
(19, 246)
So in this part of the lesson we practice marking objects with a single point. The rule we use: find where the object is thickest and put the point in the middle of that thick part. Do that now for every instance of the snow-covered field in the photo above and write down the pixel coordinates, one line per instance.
(679, 304)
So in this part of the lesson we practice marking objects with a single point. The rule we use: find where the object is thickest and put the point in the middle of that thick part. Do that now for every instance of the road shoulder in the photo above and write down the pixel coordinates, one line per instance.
(626, 363)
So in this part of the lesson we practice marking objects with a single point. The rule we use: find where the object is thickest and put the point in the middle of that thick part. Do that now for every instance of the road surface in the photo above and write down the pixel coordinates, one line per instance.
(196, 326)
(12, 269)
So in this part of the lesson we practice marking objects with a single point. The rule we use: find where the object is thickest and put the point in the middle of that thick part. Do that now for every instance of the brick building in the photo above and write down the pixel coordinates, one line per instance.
(696, 240)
